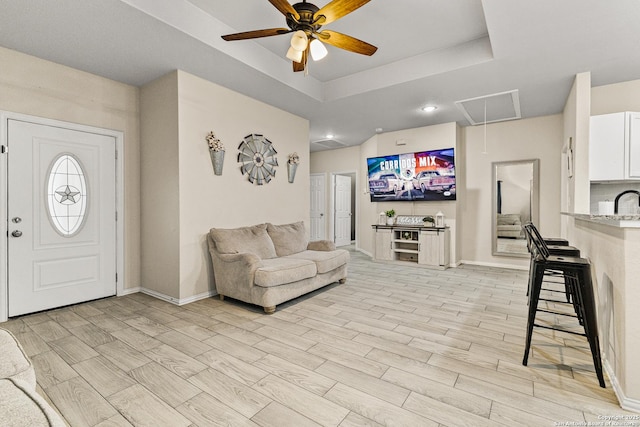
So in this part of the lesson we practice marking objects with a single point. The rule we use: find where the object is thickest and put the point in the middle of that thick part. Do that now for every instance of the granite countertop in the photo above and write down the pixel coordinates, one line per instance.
(424, 227)
(623, 221)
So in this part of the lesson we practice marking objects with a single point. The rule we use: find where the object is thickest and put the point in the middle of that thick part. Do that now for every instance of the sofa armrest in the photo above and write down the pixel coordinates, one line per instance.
(246, 263)
(321, 245)
(234, 273)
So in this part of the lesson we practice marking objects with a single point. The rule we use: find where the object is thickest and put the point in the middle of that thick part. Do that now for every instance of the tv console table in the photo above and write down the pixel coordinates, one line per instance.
(428, 246)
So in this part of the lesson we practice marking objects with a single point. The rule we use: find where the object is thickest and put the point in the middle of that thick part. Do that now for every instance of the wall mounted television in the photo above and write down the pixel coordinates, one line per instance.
(421, 176)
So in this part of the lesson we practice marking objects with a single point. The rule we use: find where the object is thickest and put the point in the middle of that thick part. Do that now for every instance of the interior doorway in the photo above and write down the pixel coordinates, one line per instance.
(318, 205)
(343, 205)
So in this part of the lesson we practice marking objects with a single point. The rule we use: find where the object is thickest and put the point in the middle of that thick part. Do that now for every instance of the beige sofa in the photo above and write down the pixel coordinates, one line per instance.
(20, 404)
(509, 225)
(269, 264)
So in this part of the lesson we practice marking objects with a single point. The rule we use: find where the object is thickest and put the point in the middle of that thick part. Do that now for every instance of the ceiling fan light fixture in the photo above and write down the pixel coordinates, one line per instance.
(318, 51)
(305, 21)
(294, 55)
(299, 40)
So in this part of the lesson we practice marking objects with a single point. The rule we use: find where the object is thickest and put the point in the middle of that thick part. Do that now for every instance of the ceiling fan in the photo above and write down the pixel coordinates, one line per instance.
(305, 21)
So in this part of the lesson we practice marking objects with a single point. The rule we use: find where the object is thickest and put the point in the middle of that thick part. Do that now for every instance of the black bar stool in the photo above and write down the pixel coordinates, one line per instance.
(556, 241)
(555, 246)
(577, 272)
(564, 250)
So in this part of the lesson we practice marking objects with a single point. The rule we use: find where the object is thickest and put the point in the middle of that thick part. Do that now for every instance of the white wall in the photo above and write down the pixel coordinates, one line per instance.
(354, 158)
(341, 161)
(616, 97)
(368, 212)
(160, 204)
(470, 216)
(205, 200)
(535, 138)
(613, 251)
(576, 114)
(36, 87)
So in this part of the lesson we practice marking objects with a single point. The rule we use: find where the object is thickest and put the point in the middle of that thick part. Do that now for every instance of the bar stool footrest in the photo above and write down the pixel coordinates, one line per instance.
(559, 330)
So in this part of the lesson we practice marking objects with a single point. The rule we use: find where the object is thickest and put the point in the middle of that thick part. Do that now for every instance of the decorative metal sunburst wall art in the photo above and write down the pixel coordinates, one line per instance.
(257, 156)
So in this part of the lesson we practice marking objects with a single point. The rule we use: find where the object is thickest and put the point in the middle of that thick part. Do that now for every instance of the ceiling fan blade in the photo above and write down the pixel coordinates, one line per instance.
(285, 7)
(256, 34)
(300, 66)
(336, 10)
(346, 42)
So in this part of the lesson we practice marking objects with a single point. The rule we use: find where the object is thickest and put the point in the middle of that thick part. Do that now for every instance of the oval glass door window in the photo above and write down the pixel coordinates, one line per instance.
(67, 195)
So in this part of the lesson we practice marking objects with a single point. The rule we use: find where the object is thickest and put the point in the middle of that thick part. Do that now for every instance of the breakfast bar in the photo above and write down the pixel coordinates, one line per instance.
(612, 243)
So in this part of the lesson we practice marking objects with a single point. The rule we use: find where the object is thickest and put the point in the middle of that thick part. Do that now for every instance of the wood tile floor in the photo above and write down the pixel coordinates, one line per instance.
(394, 346)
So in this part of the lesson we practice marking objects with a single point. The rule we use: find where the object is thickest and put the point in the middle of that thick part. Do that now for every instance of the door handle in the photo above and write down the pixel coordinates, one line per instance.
(16, 233)
(321, 214)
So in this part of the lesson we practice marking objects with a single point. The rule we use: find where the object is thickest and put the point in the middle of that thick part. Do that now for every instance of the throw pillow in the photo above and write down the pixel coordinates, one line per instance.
(288, 238)
(252, 239)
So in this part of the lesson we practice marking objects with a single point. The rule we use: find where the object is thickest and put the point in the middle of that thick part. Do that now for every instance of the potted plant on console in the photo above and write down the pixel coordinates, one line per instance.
(428, 221)
(390, 215)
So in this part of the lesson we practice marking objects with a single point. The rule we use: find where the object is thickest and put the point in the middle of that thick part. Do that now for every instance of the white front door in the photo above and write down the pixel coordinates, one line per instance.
(318, 202)
(342, 210)
(62, 216)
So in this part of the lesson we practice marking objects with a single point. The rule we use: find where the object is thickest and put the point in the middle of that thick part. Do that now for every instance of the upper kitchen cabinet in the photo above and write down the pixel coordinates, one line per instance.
(614, 147)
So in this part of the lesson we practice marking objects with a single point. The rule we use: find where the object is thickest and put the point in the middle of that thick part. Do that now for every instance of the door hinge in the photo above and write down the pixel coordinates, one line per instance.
(116, 277)
(116, 154)
(116, 215)
(4, 149)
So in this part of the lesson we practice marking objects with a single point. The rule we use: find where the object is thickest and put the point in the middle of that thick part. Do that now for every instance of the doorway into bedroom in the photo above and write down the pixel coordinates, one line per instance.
(343, 203)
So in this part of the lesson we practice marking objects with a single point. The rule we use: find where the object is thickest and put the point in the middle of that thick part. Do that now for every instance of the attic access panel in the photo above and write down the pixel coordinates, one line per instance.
(329, 143)
(499, 107)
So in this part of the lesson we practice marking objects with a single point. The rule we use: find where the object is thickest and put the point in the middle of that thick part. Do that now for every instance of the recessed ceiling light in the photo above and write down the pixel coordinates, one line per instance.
(330, 136)
(378, 130)
(429, 108)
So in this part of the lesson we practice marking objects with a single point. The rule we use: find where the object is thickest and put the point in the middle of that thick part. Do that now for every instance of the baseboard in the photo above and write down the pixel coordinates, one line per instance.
(365, 252)
(198, 297)
(495, 264)
(129, 291)
(625, 402)
(177, 301)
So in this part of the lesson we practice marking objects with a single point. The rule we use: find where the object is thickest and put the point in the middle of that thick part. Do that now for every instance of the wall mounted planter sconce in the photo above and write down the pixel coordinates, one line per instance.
(216, 150)
(257, 156)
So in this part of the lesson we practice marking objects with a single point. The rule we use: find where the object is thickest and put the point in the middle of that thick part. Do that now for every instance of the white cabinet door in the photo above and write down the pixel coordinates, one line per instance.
(607, 147)
(429, 248)
(384, 250)
(633, 128)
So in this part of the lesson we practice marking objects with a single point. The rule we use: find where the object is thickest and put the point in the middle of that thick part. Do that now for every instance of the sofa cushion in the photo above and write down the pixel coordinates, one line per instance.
(23, 407)
(288, 238)
(14, 362)
(252, 239)
(325, 260)
(280, 271)
(509, 219)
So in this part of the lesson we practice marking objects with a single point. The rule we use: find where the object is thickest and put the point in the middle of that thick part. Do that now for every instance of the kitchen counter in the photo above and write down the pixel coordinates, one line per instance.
(612, 244)
(622, 221)
(419, 227)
